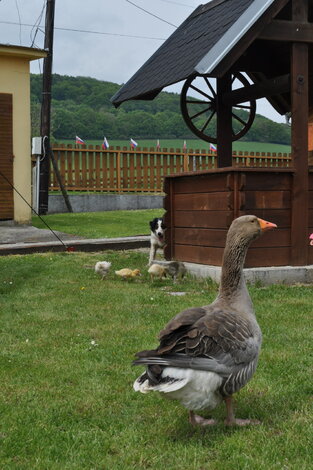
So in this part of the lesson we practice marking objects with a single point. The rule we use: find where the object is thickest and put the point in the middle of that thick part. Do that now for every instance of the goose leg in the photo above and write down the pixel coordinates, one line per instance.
(197, 420)
(230, 418)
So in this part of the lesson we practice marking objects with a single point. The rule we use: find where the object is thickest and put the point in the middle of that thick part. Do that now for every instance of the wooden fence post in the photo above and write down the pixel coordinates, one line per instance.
(186, 162)
(118, 171)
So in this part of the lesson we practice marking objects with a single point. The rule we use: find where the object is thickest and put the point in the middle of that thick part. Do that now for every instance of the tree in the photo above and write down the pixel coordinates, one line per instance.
(81, 105)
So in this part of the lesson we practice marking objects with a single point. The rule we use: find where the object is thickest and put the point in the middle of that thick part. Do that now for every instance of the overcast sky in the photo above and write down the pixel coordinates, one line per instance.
(129, 35)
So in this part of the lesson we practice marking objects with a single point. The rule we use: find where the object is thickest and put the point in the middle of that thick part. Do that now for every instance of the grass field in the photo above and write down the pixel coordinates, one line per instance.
(107, 224)
(66, 397)
(193, 144)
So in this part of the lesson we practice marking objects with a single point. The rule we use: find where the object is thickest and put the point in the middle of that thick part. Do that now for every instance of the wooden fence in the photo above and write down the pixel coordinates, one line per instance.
(142, 170)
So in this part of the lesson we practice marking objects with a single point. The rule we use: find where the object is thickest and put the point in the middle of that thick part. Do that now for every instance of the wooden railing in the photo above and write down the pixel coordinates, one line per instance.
(142, 170)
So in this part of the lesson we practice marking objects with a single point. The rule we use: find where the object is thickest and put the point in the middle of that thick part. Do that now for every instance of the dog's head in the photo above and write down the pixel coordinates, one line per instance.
(158, 228)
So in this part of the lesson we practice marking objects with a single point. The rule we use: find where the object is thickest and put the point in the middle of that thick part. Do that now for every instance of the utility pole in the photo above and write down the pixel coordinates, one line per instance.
(46, 109)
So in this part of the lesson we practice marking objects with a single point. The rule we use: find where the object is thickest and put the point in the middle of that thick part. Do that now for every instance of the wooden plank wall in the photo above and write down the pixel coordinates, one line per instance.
(198, 213)
(199, 209)
(6, 157)
(268, 196)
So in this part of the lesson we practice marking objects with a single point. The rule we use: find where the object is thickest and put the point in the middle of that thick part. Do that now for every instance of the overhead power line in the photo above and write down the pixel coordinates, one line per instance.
(88, 31)
(19, 20)
(151, 14)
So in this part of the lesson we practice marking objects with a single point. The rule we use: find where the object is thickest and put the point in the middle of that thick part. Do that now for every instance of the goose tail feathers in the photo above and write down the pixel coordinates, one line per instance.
(185, 362)
(165, 385)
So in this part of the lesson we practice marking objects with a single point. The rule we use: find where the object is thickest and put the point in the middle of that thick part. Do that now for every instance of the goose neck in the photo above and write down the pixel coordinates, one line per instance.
(232, 277)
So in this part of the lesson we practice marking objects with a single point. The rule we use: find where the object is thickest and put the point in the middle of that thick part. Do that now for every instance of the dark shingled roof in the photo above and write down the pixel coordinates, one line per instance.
(185, 51)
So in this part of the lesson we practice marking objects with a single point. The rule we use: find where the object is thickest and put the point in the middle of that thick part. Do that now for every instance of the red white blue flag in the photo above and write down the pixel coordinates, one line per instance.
(79, 141)
(105, 144)
(213, 148)
(133, 143)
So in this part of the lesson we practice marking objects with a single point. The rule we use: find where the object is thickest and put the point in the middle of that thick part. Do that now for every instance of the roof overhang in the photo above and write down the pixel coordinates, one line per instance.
(28, 53)
(208, 42)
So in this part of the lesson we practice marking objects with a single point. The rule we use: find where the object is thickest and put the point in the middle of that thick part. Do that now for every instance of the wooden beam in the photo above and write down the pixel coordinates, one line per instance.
(299, 142)
(224, 122)
(270, 87)
(290, 31)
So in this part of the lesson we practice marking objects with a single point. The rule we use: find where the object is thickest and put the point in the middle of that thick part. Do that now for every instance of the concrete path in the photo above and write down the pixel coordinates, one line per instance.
(23, 239)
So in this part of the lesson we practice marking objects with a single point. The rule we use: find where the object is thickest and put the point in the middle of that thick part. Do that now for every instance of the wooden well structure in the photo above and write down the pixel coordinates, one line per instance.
(201, 206)
(271, 43)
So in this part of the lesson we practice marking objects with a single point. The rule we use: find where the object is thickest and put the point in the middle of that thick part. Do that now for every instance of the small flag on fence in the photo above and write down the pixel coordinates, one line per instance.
(158, 145)
(105, 144)
(133, 143)
(185, 145)
(213, 148)
(79, 141)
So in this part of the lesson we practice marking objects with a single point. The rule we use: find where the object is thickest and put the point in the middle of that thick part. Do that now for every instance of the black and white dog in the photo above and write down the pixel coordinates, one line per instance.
(157, 238)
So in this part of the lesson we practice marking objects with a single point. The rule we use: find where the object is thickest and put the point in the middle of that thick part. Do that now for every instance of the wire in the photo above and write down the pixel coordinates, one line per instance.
(19, 18)
(37, 25)
(91, 32)
(149, 13)
(68, 248)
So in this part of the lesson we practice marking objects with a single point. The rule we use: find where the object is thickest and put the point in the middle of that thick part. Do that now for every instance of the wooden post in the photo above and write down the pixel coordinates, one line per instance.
(46, 110)
(224, 123)
(299, 141)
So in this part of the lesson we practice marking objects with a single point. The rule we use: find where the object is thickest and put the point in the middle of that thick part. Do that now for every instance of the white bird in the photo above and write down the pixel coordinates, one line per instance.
(206, 354)
(102, 268)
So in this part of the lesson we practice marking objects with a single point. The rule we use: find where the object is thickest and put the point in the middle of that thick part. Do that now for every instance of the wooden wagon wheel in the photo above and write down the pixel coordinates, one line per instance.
(199, 110)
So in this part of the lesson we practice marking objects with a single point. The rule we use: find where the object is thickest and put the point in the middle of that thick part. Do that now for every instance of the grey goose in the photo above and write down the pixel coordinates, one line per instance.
(208, 353)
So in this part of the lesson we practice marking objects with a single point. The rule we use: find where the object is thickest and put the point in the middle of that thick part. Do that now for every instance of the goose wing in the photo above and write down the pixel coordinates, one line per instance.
(215, 340)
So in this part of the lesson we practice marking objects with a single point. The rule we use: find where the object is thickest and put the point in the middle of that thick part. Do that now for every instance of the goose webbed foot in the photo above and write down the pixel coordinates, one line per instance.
(230, 418)
(197, 420)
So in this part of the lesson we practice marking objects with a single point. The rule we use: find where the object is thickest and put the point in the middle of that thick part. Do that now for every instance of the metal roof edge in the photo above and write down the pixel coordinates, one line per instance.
(208, 63)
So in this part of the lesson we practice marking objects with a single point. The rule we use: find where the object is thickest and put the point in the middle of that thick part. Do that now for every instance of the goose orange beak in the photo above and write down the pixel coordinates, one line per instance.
(265, 225)
(311, 239)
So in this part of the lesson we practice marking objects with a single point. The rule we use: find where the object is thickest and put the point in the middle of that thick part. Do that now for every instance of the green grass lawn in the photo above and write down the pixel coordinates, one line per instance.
(193, 144)
(107, 224)
(66, 397)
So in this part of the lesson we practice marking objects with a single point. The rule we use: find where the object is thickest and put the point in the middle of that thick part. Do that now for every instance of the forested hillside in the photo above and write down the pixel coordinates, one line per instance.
(81, 106)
